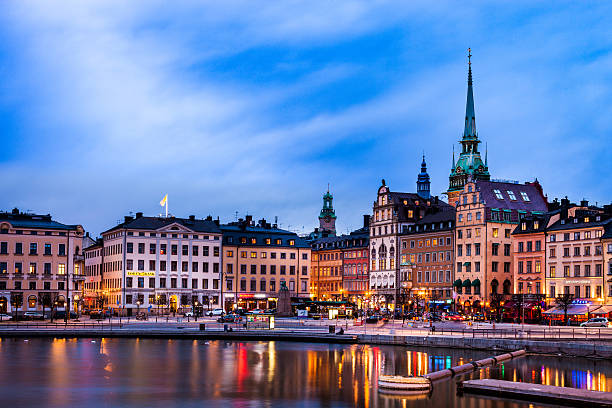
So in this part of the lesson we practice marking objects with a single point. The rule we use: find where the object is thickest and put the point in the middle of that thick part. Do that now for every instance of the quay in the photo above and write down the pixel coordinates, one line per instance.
(576, 348)
(549, 394)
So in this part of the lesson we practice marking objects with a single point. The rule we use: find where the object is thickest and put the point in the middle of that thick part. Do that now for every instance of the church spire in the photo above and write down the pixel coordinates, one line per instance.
(453, 167)
(470, 116)
(423, 184)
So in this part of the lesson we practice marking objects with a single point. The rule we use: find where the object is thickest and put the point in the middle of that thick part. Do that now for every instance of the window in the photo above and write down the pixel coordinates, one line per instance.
(174, 250)
(151, 265)
(498, 194)
(495, 249)
(141, 248)
(33, 248)
(129, 247)
(162, 283)
(47, 249)
(495, 232)
(61, 269)
(141, 265)
(511, 195)
(524, 196)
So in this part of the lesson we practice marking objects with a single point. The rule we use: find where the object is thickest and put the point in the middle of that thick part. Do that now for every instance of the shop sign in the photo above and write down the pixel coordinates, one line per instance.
(140, 273)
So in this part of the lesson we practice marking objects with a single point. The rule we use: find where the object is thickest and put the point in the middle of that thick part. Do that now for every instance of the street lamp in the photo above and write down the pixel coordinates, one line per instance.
(137, 308)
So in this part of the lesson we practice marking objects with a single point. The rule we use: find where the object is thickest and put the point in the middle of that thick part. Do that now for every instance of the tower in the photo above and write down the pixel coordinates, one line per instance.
(327, 218)
(469, 164)
(423, 184)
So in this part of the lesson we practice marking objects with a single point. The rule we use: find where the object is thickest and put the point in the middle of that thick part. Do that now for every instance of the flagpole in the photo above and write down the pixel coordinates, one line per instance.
(166, 206)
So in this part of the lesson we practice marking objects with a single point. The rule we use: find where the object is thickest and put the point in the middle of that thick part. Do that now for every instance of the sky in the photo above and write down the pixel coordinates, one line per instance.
(240, 107)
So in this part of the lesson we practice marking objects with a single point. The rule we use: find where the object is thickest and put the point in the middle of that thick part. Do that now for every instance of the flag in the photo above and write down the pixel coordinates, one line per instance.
(163, 201)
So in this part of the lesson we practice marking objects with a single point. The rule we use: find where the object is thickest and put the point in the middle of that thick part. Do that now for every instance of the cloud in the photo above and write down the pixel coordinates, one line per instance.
(256, 106)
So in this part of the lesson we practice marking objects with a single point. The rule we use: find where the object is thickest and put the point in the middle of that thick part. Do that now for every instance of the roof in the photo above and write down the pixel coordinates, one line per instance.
(605, 220)
(412, 199)
(156, 223)
(343, 241)
(530, 223)
(444, 216)
(23, 220)
(608, 231)
(527, 197)
(232, 233)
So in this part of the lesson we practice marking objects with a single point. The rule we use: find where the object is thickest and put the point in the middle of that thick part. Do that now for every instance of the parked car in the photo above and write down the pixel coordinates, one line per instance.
(596, 322)
(315, 316)
(62, 315)
(373, 319)
(455, 317)
(188, 314)
(270, 311)
(215, 312)
(478, 317)
(33, 316)
(230, 318)
(143, 316)
(256, 311)
(99, 314)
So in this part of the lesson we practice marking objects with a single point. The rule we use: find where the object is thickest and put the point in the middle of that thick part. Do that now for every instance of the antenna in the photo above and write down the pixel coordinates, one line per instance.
(236, 215)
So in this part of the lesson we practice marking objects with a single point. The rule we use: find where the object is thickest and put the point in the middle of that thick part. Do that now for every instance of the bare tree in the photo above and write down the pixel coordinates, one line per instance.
(496, 303)
(563, 302)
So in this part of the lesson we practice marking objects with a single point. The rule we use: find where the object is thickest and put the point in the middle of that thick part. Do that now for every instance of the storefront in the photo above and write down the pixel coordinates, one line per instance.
(577, 312)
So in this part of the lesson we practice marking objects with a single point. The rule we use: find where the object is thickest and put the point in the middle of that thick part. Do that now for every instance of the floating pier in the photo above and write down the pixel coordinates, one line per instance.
(423, 384)
(549, 394)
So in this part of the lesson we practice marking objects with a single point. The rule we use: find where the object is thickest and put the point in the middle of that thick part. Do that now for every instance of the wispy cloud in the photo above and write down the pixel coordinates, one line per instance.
(256, 106)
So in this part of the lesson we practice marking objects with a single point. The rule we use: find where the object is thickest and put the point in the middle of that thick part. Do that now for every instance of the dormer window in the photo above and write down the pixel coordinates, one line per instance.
(253, 240)
(416, 202)
(536, 225)
(586, 219)
(523, 226)
(598, 218)
(511, 195)
(243, 240)
(575, 220)
(498, 194)
(524, 196)
(562, 222)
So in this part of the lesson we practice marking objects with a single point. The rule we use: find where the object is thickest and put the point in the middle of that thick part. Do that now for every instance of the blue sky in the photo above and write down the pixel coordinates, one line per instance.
(105, 106)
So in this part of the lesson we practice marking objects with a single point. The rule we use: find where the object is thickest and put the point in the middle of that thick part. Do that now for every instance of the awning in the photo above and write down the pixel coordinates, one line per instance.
(605, 309)
(573, 310)
(458, 283)
(466, 264)
(467, 283)
(476, 282)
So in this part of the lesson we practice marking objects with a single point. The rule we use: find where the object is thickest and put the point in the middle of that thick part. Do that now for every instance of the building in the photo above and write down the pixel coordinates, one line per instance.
(40, 263)
(93, 295)
(327, 267)
(392, 213)
(487, 213)
(339, 267)
(427, 259)
(156, 263)
(606, 242)
(469, 165)
(258, 259)
(355, 264)
(529, 254)
(574, 254)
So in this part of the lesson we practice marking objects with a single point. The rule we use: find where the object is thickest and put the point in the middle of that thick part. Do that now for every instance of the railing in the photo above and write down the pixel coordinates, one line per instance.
(60, 325)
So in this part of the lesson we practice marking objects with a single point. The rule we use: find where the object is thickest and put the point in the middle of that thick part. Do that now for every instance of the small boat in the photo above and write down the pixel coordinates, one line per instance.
(399, 383)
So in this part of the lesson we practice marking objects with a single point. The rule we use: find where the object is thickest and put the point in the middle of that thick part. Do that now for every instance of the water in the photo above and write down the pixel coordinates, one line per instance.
(166, 373)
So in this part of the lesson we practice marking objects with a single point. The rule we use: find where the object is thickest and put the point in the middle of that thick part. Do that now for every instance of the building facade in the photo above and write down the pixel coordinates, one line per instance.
(327, 267)
(355, 264)
(427, 260)
(469, 165)
(529, 254)
(487, 213)
(575, 254)
(157, 264)
(41, 263)
(258, 259)
(606, 243)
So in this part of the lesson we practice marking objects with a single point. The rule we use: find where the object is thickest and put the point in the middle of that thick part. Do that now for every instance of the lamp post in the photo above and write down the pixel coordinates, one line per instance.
(137, 308)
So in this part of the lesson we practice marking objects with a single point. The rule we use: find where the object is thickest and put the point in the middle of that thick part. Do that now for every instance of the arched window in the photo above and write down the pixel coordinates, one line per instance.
(494, 286)
(32, 301)
(507, 285)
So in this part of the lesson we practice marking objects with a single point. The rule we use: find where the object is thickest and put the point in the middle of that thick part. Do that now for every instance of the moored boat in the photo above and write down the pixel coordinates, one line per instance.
(399, 383)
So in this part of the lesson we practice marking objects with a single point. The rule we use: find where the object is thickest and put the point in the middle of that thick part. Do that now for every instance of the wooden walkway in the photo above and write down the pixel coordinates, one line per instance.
(538, 393)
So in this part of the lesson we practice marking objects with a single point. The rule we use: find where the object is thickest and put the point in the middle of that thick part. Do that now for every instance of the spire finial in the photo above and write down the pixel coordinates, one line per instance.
(328, 187)
(486, 154)
(469, 56)
(453, 157)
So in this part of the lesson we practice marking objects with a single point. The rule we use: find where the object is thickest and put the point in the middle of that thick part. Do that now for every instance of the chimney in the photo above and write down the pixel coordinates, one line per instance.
(565, 202)
(209, 218)
(15, 211)
(584, 203)
(138, 215)
(249, 219)
(128, 218)
(192, 217)
(366, 220)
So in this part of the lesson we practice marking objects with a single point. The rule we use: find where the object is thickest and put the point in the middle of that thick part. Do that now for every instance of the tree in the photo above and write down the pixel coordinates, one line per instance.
(16, 301)
(45, 300)
(496, 303)
(563, 302)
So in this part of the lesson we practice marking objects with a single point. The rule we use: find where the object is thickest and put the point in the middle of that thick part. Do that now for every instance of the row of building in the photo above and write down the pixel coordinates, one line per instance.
(488, 241)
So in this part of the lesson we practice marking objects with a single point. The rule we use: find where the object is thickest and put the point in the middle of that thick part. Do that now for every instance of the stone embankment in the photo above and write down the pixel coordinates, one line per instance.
(569, 348)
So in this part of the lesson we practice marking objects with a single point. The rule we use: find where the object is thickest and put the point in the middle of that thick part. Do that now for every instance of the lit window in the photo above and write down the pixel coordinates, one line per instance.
(253, 254)
(268, 241)
(511, 195)
(243, 240)
(243, 254)
(61, 269)
(263, 255)
(291, 242)
(524, 196)
(229, 254)
(495, 232)
(253, 240)
(498, 194)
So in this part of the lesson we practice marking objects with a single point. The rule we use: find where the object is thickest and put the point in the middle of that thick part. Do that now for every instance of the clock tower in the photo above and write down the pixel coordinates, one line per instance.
(327, 218)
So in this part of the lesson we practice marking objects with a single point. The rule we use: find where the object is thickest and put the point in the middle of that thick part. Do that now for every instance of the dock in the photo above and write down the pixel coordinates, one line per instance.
(537, 393)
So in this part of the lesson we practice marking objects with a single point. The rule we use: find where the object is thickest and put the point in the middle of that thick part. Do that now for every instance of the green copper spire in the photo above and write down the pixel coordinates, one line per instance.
(469, 164)
(470, 117)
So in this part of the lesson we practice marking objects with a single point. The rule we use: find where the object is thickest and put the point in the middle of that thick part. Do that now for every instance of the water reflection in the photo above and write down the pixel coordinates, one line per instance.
(124, 372)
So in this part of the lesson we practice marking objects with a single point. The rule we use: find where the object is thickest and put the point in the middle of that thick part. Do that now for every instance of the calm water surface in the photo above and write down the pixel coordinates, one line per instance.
(167, 373)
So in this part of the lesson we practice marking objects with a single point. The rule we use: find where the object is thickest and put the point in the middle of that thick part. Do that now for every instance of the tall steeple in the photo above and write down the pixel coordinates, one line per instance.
(469, 164)
(423, 184)
(327, 217)
(470, 115)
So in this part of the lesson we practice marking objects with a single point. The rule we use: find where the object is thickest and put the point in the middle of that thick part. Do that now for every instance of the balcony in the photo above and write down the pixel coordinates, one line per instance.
(78, 258)
(78, 278)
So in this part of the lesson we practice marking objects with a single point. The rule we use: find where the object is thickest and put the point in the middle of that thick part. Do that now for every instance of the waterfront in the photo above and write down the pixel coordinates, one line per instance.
(156, 372)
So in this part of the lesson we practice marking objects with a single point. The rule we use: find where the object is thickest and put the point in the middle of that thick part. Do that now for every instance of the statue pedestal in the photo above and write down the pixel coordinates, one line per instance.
(283, 307)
